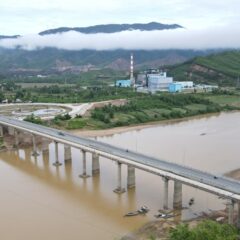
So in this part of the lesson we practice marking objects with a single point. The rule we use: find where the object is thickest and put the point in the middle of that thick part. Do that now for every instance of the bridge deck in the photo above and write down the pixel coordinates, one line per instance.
(197, 177)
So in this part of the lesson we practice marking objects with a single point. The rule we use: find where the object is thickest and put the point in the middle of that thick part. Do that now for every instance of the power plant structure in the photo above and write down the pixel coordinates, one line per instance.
(127, 82)
(131, 70)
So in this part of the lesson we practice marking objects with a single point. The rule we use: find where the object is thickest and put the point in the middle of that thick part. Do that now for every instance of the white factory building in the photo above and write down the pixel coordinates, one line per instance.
(158, 82)
(186, 84)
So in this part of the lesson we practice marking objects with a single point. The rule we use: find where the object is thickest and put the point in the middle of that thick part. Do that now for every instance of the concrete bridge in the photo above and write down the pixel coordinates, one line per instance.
(218, 185)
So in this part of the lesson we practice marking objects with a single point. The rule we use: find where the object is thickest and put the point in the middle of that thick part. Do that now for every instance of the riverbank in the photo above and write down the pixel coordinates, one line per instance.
(117, 130)
(159, 229)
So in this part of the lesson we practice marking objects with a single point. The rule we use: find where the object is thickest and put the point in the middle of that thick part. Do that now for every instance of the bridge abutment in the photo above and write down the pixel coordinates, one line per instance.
(67, 153)
(131, 182)
(119, 188)
(177, 195)
(56, 163)
(84, 171)
(95, 163)
(165, 195)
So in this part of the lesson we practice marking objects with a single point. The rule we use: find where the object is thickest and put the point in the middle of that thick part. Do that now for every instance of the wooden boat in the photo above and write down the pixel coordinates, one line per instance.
(130, 214)
(142, 210)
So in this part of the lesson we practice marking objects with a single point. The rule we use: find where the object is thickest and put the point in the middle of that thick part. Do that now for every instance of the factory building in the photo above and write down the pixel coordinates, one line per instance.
(123, 83)
(141, 79)
(186, 84)
(175, 87)
(158, 81)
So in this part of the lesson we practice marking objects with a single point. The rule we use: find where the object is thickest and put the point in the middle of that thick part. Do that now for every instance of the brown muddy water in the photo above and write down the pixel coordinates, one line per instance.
(40, 201)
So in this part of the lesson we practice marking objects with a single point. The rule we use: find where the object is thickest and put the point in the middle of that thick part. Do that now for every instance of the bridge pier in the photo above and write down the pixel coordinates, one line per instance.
(230, 210)
(11, 131)
(177, 195)
(84, 171)
(67, 153)
(95, 163)
(1, 131)
(57, 163)
(131, 176)
(16, 136)
(238, 215)
(165, 196)
(119, 188)
(34, 152)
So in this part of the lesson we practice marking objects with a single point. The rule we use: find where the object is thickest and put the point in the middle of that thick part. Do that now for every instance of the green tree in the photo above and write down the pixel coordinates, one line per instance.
(206, 230)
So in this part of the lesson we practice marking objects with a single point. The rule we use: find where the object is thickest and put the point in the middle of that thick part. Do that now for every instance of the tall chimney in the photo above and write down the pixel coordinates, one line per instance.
(131, 70)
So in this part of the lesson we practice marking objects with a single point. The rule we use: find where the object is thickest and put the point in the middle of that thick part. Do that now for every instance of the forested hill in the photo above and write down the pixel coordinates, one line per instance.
(221, 68)
(113, 28)
(52, 59)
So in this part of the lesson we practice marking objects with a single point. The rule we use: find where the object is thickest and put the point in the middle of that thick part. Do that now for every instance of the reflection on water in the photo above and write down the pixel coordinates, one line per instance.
(45, 202)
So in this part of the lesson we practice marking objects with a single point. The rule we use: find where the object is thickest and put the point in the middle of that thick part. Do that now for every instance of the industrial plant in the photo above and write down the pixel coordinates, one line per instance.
(153, 80)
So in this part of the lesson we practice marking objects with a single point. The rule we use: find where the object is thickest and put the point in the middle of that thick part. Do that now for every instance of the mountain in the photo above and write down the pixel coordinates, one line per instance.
(56, 60)
(220, 68)
(5, 37)
(113, 28)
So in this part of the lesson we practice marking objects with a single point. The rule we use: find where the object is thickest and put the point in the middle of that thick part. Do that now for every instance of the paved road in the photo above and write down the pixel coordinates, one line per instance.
(216, 184)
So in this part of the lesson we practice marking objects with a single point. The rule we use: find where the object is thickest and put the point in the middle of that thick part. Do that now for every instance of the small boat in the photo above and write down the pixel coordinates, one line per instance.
(160, 215)
(130, 214)
(165, 216)
(142, 210)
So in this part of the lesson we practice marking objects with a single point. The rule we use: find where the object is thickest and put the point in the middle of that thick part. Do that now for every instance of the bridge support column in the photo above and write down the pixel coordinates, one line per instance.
(95, 163)
(230, 210)
(238, 215)
(67, 153)
(119, 188)
(11, 131)
(16, 137)
(57, 163)
(165, 196)
(130, 176)
(84, 171)
(34, 153)
(1, 131)
(177, 195)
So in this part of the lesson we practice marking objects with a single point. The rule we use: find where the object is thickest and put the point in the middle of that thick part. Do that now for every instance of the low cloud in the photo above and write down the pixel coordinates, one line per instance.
(134, 40)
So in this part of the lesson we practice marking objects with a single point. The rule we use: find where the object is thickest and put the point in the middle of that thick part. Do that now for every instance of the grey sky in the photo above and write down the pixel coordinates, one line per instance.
(32, 16)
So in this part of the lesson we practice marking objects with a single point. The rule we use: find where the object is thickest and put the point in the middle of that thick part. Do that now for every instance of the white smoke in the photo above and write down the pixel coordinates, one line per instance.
(145, 40)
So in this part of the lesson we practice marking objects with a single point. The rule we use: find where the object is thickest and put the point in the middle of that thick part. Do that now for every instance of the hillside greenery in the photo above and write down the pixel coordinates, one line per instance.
(45, 61)
(221, 69)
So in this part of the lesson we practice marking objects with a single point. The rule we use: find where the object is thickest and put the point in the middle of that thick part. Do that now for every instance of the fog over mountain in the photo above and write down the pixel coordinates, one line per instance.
(145, 40)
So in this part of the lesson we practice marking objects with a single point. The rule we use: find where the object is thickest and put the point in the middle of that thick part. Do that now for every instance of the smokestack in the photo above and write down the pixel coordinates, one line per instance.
(131, 70)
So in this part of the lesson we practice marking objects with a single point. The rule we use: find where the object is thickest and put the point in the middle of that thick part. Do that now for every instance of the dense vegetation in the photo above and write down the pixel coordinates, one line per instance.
(148, 108)
(221, 69)
(206, 230)
(62, 93)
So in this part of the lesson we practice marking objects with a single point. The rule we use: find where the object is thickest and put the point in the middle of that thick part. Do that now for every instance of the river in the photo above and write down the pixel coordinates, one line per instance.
(40, 201)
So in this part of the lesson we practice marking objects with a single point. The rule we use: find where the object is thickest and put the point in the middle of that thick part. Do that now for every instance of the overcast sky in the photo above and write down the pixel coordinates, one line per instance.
(32, 16)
